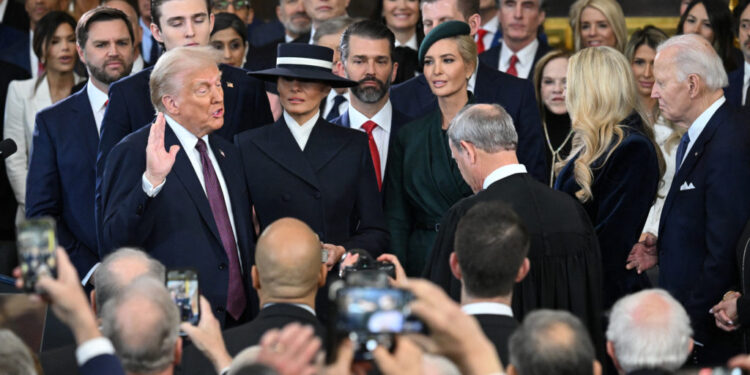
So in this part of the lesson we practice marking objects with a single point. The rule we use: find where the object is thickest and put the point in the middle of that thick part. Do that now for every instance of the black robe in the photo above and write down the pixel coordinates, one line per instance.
(564, 254)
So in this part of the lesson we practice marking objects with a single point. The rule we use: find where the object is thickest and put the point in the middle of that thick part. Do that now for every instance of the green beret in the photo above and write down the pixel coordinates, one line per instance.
(444, 30)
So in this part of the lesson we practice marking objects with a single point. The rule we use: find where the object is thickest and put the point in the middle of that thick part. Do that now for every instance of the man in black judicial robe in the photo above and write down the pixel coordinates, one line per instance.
(564, 252)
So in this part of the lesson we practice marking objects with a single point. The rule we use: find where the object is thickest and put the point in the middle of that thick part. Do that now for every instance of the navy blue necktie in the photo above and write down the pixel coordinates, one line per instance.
(337, 100)
(681, 150)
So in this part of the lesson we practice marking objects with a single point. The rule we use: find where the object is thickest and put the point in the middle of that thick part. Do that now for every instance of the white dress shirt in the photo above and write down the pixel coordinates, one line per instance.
(145, 40)
(525, 58)
(97, 99)
(3, 6)
(491, 26)
(312, 34)
(188, 141)
(93, 348)
(411, 43)
(288, 39)
(381, 134)
(696, 128)
(137, 65)
(502, 172)
(301, 133)
(745, 84)
(487, 308)
(329, 102)
(300, 305)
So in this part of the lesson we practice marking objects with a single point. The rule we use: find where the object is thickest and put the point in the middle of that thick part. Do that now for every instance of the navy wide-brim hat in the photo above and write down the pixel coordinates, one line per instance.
(306, 62)
(444, 30)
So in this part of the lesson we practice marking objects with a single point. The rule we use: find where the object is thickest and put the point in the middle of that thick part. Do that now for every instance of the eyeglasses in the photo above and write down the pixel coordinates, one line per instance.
(224, 4)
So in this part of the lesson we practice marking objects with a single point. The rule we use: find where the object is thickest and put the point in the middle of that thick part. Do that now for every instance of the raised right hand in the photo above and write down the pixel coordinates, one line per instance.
(159, 162)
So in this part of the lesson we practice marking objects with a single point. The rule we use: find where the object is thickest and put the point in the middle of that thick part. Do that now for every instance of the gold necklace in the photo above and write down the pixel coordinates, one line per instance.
(555, 153)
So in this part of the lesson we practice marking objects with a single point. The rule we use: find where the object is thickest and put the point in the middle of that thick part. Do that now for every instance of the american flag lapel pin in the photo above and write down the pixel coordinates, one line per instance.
(230, 84)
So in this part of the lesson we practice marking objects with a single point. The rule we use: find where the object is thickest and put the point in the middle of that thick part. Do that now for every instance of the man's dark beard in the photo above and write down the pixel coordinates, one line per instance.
(371, 94)
(101, 75)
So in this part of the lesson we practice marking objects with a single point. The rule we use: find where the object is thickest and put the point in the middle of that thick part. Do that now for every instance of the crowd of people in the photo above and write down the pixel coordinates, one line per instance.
(535, 210)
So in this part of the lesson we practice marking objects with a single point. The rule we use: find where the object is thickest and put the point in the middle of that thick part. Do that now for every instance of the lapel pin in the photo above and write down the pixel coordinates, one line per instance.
(230, 84)
(222, 153)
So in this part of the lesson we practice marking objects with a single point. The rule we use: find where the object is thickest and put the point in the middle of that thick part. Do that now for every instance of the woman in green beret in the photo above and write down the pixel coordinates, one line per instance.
(423, 180)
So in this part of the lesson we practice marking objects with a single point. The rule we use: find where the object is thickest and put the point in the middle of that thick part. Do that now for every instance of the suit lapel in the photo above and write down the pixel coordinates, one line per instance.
(280, 146)
(323, 144)
(696, 152)
(84, 120)
(186, 174)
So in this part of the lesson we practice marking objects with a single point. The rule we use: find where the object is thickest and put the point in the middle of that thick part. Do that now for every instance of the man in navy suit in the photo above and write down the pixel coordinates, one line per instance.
(707, 205)
(488, 85)
(61, 170)
(178, 23)
(520, 48)
(739, 80)
(190, 207)
(367, 55)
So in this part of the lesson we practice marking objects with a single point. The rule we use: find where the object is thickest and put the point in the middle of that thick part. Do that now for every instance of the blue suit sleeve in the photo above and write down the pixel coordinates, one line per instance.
(727, 210)
(127, 219)
(115, 126)
(531, 143)
(44, 196)
(102, 364)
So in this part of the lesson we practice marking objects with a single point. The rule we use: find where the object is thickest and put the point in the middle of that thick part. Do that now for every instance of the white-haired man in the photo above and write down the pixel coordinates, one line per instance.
(707, 205)
(184, 200)
(649, 333)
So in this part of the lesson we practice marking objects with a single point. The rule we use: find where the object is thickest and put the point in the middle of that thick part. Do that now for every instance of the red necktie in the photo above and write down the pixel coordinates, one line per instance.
(512, 67)
(369, 126)
(236, 300)
(480, 40)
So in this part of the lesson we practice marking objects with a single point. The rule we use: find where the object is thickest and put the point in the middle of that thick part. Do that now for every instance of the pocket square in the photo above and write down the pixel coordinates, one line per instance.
(687, 186)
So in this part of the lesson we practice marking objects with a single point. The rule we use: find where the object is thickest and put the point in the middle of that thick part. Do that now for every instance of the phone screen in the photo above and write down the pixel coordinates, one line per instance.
(375, 311)
(183, 288)
(36, 250)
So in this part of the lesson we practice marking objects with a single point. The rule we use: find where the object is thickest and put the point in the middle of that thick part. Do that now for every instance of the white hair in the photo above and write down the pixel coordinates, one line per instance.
(648, 332)
(165, 78)
(694, 55)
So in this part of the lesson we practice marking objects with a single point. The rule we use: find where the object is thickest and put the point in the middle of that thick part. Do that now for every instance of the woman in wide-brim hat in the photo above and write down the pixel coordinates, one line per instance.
(307, 168)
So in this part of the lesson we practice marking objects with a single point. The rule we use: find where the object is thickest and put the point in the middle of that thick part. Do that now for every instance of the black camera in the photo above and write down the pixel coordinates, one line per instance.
(367, 263)
(368, 311)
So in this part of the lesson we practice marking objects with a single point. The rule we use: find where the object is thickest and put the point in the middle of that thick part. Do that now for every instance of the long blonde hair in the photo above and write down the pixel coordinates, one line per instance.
(601, 92)
(611, 11)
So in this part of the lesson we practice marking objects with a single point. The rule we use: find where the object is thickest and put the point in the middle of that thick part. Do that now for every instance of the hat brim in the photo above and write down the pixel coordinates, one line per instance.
(271, 75)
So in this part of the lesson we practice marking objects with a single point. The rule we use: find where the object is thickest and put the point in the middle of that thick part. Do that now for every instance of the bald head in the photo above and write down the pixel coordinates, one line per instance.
(287, 260)
(649, 329)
